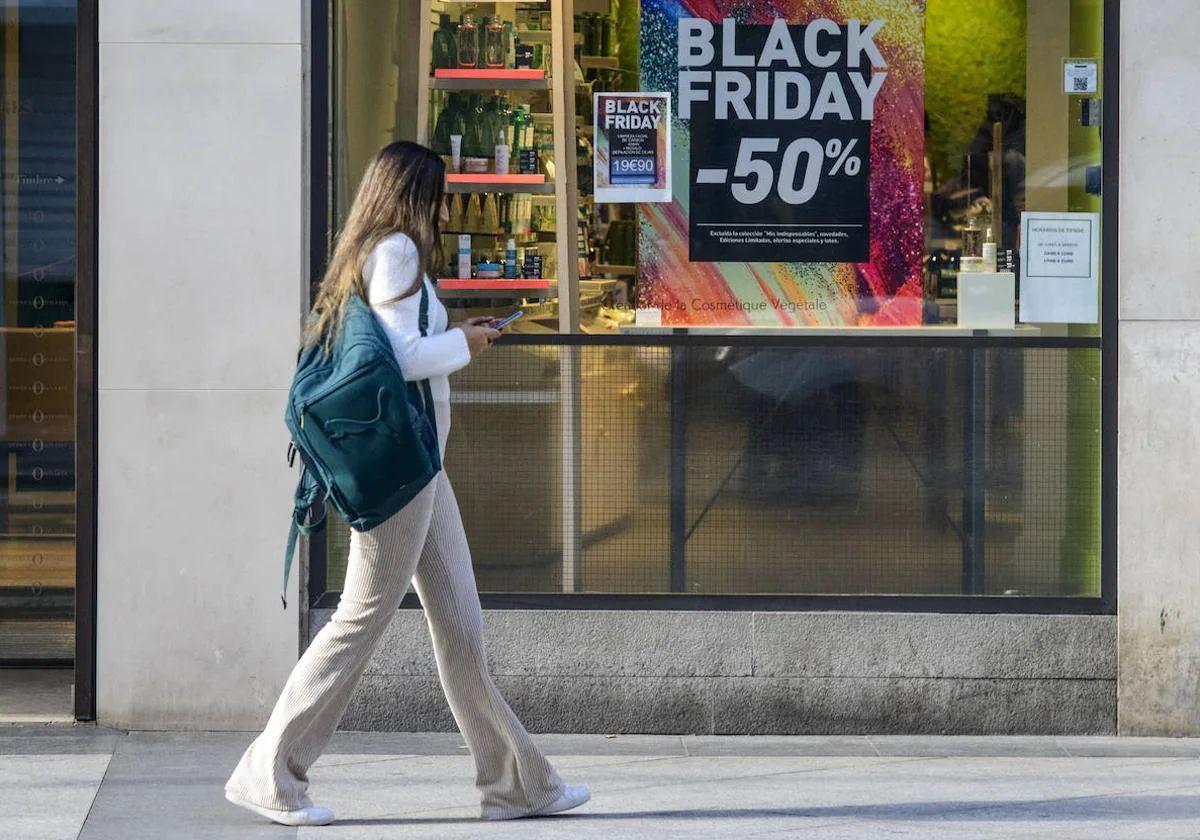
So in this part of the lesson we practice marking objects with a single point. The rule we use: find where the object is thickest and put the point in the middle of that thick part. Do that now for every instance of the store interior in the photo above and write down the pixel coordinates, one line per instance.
(1000, 138)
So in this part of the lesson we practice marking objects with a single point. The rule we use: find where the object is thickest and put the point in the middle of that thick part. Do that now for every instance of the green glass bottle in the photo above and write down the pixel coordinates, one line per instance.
(445, 49)
(474, 141)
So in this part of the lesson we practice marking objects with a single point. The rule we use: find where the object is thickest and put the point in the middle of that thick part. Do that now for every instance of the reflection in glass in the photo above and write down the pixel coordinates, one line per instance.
(777, 470)
(37, 329)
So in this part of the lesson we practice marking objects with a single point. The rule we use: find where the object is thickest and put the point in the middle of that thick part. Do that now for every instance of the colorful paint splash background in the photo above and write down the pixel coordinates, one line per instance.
(884, 291)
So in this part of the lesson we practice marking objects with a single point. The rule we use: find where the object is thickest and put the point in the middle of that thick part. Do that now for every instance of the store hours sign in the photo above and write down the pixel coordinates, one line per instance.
(780, 121)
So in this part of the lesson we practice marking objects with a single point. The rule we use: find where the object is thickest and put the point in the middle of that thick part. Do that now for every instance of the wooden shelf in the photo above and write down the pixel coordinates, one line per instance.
(464, 182)
(494, 178)
(513, 289)
(535, 236)
(619, 270)
(473, 79)
(599, 62)
(488, 73)
(473, 284)
(489, 84)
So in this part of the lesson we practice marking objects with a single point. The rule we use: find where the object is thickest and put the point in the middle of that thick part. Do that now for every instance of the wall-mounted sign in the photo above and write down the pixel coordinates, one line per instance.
(1060, 268)
(632, 161)
(781, 138)
(1081, 75)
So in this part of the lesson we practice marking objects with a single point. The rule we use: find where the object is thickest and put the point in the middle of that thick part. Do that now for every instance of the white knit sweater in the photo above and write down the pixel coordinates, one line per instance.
(390, 270)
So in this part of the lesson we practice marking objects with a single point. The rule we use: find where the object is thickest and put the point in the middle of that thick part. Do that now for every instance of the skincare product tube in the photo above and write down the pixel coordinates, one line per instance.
(464, 256)
(456, 152)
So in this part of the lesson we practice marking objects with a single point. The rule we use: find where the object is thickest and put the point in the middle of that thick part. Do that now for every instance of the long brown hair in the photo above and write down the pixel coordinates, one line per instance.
(401, 191)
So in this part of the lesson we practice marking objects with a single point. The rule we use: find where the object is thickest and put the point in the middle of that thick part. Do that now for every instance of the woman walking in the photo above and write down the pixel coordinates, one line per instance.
(386, 251)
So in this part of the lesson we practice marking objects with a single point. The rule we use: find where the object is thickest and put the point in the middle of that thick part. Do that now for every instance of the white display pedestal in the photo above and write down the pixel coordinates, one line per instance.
(987, 300)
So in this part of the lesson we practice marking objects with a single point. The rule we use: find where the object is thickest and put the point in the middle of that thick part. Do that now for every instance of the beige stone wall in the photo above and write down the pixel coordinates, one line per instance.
(202, 205)
(1159, 450)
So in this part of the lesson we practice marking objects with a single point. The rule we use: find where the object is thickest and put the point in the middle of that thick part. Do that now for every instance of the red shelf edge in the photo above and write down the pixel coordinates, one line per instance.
(487, 284)
(468, 73)
(492, 178)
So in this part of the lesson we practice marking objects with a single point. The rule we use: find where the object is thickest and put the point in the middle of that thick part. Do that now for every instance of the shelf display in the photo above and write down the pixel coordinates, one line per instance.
(491, 101)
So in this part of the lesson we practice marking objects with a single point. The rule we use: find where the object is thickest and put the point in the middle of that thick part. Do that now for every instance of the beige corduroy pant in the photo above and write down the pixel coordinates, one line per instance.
(424, 543)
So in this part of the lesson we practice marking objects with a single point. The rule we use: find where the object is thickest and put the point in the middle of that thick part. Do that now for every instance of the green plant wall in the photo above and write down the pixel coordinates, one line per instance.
(972, 48)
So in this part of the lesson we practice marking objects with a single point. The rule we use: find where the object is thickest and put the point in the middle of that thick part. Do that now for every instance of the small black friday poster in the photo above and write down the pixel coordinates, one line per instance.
(632, 161)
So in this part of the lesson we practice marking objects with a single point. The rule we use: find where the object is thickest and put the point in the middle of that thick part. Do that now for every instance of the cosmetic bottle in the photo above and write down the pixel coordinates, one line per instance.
(510, 260)
(464, 255)
(490, 213)
(972, 239)
(502, 152)
(474, 215)
(468, 42)
(495, 51)
(445, 50)
(989, 252)
(458, 212)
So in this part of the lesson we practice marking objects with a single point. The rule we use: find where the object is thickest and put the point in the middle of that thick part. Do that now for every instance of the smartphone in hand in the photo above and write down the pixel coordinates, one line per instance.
(499, 325)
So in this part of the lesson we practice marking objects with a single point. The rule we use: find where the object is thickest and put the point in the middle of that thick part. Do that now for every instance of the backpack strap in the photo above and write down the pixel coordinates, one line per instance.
(307, 491)
(423, 326)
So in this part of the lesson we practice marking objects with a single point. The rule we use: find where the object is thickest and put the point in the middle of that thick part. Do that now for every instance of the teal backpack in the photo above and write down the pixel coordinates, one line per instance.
(367, 439)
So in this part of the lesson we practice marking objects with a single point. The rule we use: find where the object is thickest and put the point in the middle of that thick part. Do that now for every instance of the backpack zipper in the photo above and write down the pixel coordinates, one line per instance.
(333, 386)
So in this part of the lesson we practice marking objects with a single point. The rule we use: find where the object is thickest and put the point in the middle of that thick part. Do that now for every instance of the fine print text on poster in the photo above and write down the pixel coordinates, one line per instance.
(781, 138)
(632, 161)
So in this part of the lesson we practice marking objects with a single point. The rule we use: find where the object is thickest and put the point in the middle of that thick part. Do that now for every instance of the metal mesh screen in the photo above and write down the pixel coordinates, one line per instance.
(619, 468)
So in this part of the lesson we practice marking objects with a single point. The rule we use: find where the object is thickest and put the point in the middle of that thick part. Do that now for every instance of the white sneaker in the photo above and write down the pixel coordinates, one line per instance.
(572, 797)
(310, 815)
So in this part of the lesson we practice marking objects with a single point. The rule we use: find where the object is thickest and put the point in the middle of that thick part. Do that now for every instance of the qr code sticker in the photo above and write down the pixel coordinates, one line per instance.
(1080, 84)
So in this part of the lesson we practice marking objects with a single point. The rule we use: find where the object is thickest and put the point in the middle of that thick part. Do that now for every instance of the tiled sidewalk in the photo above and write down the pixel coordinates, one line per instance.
(65, 781)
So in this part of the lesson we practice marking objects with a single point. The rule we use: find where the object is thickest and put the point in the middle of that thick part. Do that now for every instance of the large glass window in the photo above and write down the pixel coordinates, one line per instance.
(37, 330)
(857, 349)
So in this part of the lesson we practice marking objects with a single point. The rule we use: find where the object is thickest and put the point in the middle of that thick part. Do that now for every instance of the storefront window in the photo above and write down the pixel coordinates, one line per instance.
(812, 294)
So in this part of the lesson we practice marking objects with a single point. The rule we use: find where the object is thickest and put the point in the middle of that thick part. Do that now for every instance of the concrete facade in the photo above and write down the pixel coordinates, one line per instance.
(1159, 451)
(762, 673)
(202, 196)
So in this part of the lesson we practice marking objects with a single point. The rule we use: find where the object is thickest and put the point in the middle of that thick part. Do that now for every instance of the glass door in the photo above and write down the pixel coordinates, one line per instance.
(37, 332)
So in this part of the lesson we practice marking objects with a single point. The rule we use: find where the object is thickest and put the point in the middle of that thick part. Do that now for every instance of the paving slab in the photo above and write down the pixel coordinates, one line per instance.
(47, 797)
(60, 739)
(171, 785)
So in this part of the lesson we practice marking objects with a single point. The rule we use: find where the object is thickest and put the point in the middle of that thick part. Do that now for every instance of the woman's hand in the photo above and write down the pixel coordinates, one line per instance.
(479, 333)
